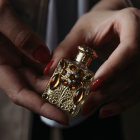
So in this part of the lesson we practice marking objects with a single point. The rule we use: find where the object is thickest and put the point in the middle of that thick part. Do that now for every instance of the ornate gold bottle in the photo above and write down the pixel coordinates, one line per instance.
(70, 83)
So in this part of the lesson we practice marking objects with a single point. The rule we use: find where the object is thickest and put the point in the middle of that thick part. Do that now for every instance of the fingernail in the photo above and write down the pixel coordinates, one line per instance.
(42, 55)
(48, 67)
(106, 113)
(96, 84)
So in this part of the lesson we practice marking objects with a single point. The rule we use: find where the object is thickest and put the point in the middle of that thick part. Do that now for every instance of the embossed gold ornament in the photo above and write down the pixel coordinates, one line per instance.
(70, 82)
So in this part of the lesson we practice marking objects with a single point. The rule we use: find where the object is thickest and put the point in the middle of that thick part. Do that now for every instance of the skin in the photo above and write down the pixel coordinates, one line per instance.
(21, 75)
(113, 31)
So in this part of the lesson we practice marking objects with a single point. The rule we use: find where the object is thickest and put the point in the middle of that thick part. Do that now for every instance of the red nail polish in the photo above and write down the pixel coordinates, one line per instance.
(48, 67)
(106, 113)
(96, 84)
(42, 55)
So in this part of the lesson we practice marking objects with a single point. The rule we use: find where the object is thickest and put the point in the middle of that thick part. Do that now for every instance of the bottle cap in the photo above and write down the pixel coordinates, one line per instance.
(85, 55)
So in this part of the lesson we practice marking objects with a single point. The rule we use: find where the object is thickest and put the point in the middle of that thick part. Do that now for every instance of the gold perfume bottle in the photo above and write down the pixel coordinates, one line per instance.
(70, 83)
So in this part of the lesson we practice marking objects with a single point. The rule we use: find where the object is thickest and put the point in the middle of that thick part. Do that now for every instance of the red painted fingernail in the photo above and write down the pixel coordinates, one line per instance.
(42, 55)
(48, 67)
(106, 113)
(96, 84)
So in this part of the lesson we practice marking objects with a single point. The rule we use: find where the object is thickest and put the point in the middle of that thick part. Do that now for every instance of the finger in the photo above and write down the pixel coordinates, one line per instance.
(33, 102)
(92, 102)
(115, 88)
(23, 38)
(37, 82)
(68, 47)
(126, 52)
(118, 106)
(10, 57)
(14, 57)
(17, 90)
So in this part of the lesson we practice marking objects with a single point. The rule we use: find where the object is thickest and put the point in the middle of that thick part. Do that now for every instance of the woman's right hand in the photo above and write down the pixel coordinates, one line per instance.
(22, 55)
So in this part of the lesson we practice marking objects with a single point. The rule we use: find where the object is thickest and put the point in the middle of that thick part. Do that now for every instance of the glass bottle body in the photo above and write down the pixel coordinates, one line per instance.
(69, 86)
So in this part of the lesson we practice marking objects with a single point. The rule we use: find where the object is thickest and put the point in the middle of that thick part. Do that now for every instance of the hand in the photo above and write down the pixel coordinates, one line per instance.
(114, 34)
(22, 58)
(120, 72)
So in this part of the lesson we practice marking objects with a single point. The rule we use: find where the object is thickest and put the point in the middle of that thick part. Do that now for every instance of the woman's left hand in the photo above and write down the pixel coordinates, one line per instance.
(116, 86)
(114, 34)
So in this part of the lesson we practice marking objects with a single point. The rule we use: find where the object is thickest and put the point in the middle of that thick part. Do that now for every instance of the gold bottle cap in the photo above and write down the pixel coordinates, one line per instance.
(85, 55)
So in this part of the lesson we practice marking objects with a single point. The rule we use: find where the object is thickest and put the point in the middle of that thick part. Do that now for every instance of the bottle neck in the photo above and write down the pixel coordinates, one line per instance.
(83, 58)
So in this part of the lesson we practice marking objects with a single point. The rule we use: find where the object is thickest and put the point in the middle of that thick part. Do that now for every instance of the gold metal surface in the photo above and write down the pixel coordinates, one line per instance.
(85, 55)
(68, 96)
(70, 82)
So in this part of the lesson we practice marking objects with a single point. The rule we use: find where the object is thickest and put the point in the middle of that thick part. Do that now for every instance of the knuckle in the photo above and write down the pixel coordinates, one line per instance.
(132, 10)
(129, 10)
(83, 29)
(134, 13)
(81, 26)
(128, 13)
(14, 99)
(78, 30)
(15, 95)
(21, 38)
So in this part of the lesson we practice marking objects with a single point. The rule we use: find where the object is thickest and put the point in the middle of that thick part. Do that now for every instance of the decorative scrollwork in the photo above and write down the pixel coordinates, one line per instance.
(68, 86)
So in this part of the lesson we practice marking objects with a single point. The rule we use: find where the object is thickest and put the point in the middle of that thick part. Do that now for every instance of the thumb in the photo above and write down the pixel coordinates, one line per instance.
(23, 38)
